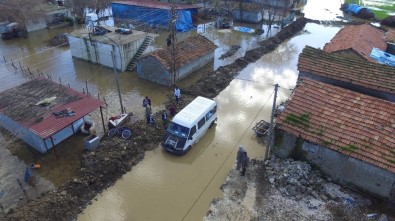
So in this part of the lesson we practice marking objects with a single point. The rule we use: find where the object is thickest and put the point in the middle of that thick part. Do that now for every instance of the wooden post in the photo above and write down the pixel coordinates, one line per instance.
(54, 149)
(23, 190)
(86, 85)
(117, 80)
(5, 61)
(20, 66)
(83, 90)
(60, 80)
(270, 142)
(68, 84)
(102, 119)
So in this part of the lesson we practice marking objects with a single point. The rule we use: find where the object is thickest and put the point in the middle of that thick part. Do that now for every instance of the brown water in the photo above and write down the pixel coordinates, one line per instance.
(162, 186)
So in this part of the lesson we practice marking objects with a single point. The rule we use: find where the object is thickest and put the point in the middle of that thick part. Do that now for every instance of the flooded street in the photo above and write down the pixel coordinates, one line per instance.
(163, 186)
(166, 187)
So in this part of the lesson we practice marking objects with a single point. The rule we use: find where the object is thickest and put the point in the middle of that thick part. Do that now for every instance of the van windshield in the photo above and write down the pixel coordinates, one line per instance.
(178, 130)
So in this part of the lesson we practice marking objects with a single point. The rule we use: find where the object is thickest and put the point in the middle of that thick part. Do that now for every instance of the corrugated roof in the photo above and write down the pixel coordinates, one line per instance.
(19, 104)
(155, 4)
(351, 123)
(360, 38)
(358, 72)
(186, 51)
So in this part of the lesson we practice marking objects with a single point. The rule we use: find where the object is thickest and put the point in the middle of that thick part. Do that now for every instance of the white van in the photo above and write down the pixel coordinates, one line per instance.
(189, 125)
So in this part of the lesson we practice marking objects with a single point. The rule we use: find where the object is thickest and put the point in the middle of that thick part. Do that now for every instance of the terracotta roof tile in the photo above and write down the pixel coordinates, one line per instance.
(186, 51)
(360, 38)
(366, 74)
(324, 114)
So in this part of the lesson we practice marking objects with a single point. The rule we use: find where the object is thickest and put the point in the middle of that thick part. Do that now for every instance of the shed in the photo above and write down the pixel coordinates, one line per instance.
(365, 77)
(348, 135)
(27, 111)
(155, 13)
(191, 54)
(248, 12)
(98, 48)
(357, 41)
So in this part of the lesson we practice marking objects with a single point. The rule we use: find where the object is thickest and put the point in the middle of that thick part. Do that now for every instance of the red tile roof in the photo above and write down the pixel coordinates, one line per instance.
(186, 51)
(351, 123)
(19, 104)
(360, 38)
(369, 75)
(155, 4)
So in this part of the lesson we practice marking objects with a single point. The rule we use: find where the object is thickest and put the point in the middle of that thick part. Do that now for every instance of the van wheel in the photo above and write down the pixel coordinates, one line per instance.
(189, 147)
(212, 123)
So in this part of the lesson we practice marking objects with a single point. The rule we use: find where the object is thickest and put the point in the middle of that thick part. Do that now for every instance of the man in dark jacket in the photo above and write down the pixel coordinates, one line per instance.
(242, 160)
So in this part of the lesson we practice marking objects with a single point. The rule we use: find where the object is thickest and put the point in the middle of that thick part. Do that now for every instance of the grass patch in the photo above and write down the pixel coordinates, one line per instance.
(327, 143)
(380, 11)
(391, 160)
(302, 121)
(350, 148)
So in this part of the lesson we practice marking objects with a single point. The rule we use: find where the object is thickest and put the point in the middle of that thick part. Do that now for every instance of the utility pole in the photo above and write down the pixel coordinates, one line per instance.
(173, 51)
(117, 80)
(269, 143)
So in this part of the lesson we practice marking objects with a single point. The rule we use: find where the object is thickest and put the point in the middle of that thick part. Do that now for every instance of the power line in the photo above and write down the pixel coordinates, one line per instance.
(226, 159)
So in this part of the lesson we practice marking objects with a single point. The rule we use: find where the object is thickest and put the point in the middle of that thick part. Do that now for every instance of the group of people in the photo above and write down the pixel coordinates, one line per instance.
(172, 109)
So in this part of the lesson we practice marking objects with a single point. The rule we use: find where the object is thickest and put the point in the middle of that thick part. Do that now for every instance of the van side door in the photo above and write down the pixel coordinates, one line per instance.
(201, 130)
(192, 136)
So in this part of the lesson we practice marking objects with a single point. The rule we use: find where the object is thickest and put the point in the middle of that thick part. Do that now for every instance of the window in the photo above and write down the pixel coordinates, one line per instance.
(193, 131)
(178, 130)
(211, 112)
(201, 122)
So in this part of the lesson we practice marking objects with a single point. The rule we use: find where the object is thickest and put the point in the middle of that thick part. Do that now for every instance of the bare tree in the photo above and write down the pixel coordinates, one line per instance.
(79, 6)
(21, 11)
(275, 9)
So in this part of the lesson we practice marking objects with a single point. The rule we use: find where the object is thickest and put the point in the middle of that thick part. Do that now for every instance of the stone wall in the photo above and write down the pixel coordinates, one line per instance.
(342, 168)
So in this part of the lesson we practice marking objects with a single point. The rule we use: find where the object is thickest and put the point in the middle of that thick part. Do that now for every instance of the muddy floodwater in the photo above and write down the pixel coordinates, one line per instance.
(163, 186)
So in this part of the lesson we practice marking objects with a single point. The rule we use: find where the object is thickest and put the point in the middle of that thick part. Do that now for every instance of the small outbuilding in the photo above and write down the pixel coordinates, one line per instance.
(43, 113)
(101, 44)
(349, 136)
(357, 41)
(191, 54)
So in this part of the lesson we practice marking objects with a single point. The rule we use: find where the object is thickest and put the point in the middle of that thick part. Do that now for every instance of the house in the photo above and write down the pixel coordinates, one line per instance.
(154, 13)
(365, 77)
(357, 41)
(248, 12)
(43, 113)
(191, 54)
(349, 136)
(104, 43)
(50, 15)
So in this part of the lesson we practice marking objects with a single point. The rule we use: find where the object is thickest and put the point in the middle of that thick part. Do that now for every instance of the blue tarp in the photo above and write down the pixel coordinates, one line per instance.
(154, 16)
(383, 57)
(355, 8)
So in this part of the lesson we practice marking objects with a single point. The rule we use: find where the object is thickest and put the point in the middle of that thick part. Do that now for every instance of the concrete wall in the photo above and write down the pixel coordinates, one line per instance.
(284, 144)
(360, 89)
(100, 53)
(151, 69)
(254, 17)
(342, 168)
(36, 24)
